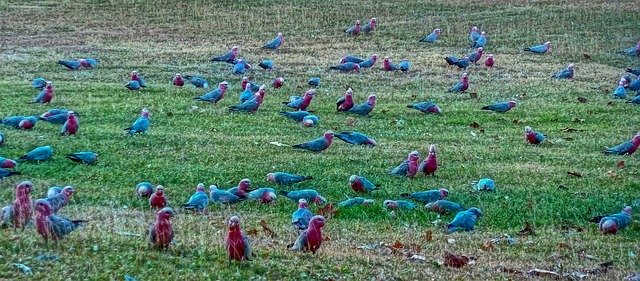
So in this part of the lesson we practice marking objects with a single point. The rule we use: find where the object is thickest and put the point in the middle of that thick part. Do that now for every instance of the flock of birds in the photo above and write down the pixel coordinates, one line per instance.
(52, 226)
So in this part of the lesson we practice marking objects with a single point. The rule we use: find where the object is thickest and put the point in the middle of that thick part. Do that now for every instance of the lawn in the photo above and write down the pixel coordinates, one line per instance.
(191, 142)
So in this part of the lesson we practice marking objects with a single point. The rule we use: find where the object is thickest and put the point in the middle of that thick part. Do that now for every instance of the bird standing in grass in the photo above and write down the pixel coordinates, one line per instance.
(199, 200)
(427, 196)
(275, 43)
(430, 164)
(464, 220)
(566, 73)
(311, 195)
(354, 30)
(41, 153)
(144, 189)
(461, 86)
(18, 214)
(161, 231)
(311, 239)
(228, 57)
(70, 127)
(345, 102)
(409, 167)
(539, 49)
(370, 26)
(532, 136)
(301, 217)
(625, 148)
(432, 37)
(426, 107)
(277, 83)
(237, 243)
(157, 199)
(85, 157)
(215, 95)
(611, 224)
(51, 226)
(178, 80)
(251, 105)
(46, 95)
(501, 107)
(366, 107)
(141, 124)
(319, 144)
(360, 184)
(489, 62)
(286, 178)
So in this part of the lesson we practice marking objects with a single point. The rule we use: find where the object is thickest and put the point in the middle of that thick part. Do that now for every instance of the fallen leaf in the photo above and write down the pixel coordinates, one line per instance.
(577, 120)
(384, 110)
(417, 258)
(350, 121)
(414, 96)
(516, 121)
(567, 138)
(267, 228)
(428, 235)
(169, 113)
(575, 174)
(586, 56)
(397, 245)
(527, 230)
(453, 260)
(610, 103)
(252, 232)
(509, 270)
(475, 125)
(543, 273)
(473, 95)
(582, 99)
(487, 246)
(563, 245)
(563, 187)
(522, 96)
(328, 211)
(620, 164)
(277, 143)
(327, 238)
(569, 130)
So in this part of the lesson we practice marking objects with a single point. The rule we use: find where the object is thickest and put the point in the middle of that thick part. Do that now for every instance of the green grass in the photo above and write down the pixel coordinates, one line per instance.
(211, 145)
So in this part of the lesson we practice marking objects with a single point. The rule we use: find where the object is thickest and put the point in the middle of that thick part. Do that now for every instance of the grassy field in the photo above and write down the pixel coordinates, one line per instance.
(188, 145)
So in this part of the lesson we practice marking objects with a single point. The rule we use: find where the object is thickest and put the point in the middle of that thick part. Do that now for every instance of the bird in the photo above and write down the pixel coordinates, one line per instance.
(236, 242)
(481, 41)
(311, 195)
(60, 200)
(314, 81)
(41, 153)
(38, 83)
(54, 191)
(398, 205)
(157, 199)
(310, 121)
(426, 107)
(476, 56)
(539, 49)
(6, 163)
(501, 107)
(311, 239)
(633, 51)
(136, 77)
(370, 27)
(388, 65)
(52, 226)
(277, 83)
(356, 138)
(248, 85)
(251, 105)
(266, 64)
(532, 136)
(241, 189)
(319, 144)
(215, 95)
(229, 57)
(634, 85)
(354, 30)
(613, 223)
(199, 200)
(2, 138)
(275, 43)
(345, 102)
(473, 34)
(141, 124)
(430, 164)
(133, 85)
(286, 178)
(351, 58)
(222, 196)
(443, 207)
(404, 65)
(484, 184)
(432, 37)
(70, 64)
(178, 80)
(364, 108)
(70, 127)
(566, 73)
(301, 217)
(240, 67)
(144, 189)
(161, 230)
(55, 111)
(461, 86)
(84, 157)
(634, 71)
(197, 81)
(263, 195)
(300, 103)
(18, 214)
(89, 62)
(409, 167)
(46, 95)
(4, 173)
(489, 62)
(368, 63)
(427, 196)
(347, 67)
(297, 116)
(360, 184)
(462, 63)
(625, 148)
(464, 220)
(620, 92)
(21, 122)
(634, 100)
(355, 201)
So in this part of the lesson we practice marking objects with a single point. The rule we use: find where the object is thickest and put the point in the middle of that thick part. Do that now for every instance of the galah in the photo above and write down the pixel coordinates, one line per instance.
(481, 41)
(409, 167)
(484, 184)
(178, 80)
(19, 213)
(197, 81)
(427, 196)
(398, 205)
(356, 138)
(370, 27)
(60, 200)
(251, 105)
(464, 220)
(51, 226)
(133, 85)
(144, 189)
(634, 71)
(297, 116)
(264, 194)
(532, 136)
(489, 62)
(476, 56)
(275, 43)
(240, 67)
(317, 145)
(364, 108)
(199, 200)
(539, 49)
(310, 195)
(426, 107)
(611, 224)
(388, 65)
(70, 64)
(370, 62)
(161, 230)
(347, 67)
(300, 103)
(360, 184)
(228, 57)
(89, 62)
(354, 30)
(620, 92)
(310, 121)
(634, 85)
(136, 77)
(501, 107)
(429, 165)
(443, 207)
(432, 37)
(141, 124)
(314, 81)
(247, 94)
(462, 63)
(70, 127)
(236, 242)
(242, 189)
(634, 100)
(84, 157)
(345, 102)
(157, 199)
(4, 173)
(473, 34)
(625, 148)
(55, 111)
(6, 163)
(216, 95)
(266, 64)
(301, 217)
(286, 178)
(351, 58)
(46, 95)
(2, 138)
(20, 122)
(41, 153)
(277, 83)
(404, 65)
(461, 86)
(633, 51)
(311, 239)
(222, 196)
(355, 201)
(54, 191)
(38, 83)
(566, 73)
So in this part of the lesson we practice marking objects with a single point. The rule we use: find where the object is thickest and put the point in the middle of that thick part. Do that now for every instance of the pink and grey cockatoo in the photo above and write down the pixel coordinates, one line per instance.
(275, 43)
(199, 200)
(481, 41)
(464, 220)
(6, 163)
(388, 65)
(351, 58)
(301, 217)
(566, 73)
(360, 184)
(144, 189)
(70, 127)
(46, 95)
(136, 77)
(247, 83)
(370, 62)
(141, 124)
(355, 201)
(409, 167)
(242, 189)
(366, 107)
(61, 199)
(52, 226)
(370, 27)
(395, 205)
(443, 207)
(462, 85)
(476, 56)
(300, 103)
(236, 242)
(462, 63)
(356, 138)
(317, 145)
(532, 136)
(297, 116)
(220, 196)
(286, 178)
(611, 224)
(427, 196)
(311, 239)
(346, 67)
(216, 95)
(625, 148)
(277, 83)
(21, 122)
(430, 164)
(157, 199)
(19, 213)
(473, 34)
(228, 57)
(501, 107)
(178, 80)
(161, 231)
(311, 195)
(251, 105)
(539, 49)
(354, 30)
(345, 102)
(426, 107)
(489, 62)
(633, 51)
(432, 37)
